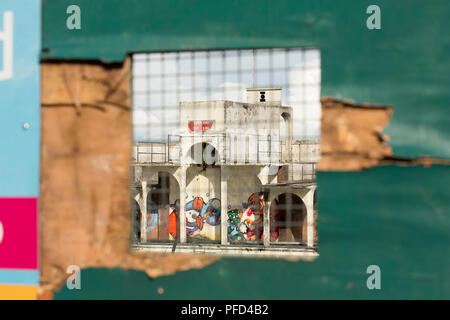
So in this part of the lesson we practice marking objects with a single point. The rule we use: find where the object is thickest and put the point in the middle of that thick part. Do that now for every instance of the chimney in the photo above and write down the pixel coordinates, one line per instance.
(270, 95)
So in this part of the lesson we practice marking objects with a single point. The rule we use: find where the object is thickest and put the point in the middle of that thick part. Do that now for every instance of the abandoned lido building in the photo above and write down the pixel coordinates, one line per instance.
(229, 184)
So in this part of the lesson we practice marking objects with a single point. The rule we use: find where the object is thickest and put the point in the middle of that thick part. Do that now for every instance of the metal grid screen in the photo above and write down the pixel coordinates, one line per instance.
(203, 86)
(162, 80)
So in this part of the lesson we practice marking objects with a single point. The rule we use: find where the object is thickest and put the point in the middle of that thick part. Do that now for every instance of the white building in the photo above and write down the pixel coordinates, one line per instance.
(226, 178)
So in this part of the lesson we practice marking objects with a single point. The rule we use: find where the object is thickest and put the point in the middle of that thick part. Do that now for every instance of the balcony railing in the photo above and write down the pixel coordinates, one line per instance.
(229, 149)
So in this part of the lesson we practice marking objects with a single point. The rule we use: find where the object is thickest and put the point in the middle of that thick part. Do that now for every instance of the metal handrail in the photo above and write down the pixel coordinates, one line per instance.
(262, 156)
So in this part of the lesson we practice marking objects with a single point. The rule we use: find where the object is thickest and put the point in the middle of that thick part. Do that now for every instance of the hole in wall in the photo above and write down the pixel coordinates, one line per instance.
(215, 120)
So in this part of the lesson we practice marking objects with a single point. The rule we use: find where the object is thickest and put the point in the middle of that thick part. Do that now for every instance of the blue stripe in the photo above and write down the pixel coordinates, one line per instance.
(18, 276)
(20, 102)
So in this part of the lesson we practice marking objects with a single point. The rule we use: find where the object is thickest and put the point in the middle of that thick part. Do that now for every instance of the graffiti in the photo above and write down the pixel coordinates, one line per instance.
(256, 203)
(193, 226)
(152, 216)
(203, 219)
(245, 224)
(173, 217)
(248, 224)
(234, 230)
(201, 215)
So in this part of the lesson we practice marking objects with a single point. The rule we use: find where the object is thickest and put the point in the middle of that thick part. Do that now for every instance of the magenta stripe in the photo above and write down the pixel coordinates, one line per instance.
(19, 228)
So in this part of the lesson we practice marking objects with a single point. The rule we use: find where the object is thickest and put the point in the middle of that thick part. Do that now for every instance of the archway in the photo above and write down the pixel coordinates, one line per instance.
(162, 209)
(203, 154)
(286, 134)
(244, 208)
(288, 217)
(282, 128)
(203, 206)
(136, 215)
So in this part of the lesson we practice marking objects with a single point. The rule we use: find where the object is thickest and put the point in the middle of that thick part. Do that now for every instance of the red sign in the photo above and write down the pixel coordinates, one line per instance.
(200, 125)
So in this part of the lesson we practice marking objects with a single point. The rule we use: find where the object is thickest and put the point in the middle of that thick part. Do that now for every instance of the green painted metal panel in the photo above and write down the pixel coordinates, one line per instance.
(393, 217)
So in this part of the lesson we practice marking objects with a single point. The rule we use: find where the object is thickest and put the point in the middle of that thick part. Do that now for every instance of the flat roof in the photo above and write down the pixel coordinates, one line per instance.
(264, 88)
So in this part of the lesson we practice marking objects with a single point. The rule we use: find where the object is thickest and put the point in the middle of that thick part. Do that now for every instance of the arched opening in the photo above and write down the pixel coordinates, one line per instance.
(288, 217)
(245, 208)
(286, 120)
(286, 135)
(163, 209)
(203, 154)
(282, 128)
(203, 206)
(136, 215)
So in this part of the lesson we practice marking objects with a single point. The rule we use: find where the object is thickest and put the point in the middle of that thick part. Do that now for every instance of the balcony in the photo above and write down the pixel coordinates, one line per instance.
(230, 149)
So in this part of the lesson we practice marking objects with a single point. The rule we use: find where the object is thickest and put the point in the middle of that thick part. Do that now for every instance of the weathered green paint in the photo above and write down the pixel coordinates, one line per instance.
(397, 218)
(394, 217)
(405, 64)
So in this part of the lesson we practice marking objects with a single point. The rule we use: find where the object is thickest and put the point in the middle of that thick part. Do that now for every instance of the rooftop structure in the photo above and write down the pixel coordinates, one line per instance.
(226, 178)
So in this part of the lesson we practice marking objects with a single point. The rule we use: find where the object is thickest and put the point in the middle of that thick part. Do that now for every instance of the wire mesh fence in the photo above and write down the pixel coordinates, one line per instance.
(206, 146)
(161, 80)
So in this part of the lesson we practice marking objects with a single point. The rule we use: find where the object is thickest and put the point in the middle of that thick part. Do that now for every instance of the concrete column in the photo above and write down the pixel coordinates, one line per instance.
(223, 205)
(266, 220)
(289, 137)
(182, 214)
(308, 199)
(263, 175)
(141, 199)
(287, 116)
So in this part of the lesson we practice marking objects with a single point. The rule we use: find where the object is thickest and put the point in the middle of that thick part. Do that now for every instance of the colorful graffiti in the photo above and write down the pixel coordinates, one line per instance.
(202, 218)
(235, 228)
(248, 224)
(152, 215)
(173, 218)
(152, 225)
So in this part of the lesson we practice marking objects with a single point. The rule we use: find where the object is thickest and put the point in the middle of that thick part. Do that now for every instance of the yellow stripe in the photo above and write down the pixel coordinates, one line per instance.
(18, 292)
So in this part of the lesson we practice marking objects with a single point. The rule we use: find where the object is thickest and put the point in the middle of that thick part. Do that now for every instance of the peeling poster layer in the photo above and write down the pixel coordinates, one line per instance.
(85, 157)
